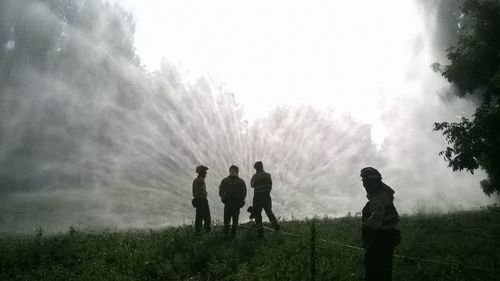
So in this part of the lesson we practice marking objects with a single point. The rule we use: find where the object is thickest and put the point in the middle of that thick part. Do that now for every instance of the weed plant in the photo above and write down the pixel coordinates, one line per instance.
(456, 243)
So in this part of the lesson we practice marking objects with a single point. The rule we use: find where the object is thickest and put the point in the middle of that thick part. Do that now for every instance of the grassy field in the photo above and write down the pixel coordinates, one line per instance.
(457, 246)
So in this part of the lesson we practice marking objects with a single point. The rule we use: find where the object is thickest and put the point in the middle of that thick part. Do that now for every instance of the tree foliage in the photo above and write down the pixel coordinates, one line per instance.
(474, 68)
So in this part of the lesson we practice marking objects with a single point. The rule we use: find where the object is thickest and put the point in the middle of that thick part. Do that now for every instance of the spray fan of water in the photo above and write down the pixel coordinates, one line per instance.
(90, 138)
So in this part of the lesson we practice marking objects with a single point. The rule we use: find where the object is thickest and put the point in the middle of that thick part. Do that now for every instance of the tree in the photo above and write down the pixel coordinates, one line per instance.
(474, 68)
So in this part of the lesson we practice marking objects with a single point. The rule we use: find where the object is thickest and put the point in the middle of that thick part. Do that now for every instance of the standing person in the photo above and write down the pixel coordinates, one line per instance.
(262, 184)
(232, 191)
(200, 201)
(380, 230)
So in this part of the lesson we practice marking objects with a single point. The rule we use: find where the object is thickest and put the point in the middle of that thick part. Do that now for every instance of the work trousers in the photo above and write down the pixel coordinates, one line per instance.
(263, 201)
(379, 248)
(378, 264)
(231, 212)
(202, 215)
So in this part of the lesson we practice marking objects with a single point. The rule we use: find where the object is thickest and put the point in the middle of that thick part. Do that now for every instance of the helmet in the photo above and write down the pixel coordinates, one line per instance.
(201, 169)
(258, 165)
(233, 167)
(370, 173)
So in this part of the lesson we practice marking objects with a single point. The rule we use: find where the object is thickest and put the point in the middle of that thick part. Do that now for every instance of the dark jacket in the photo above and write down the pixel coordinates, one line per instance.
(232, 190)
(380, 219)
(379, 212)
(261, 182)
(199, 188)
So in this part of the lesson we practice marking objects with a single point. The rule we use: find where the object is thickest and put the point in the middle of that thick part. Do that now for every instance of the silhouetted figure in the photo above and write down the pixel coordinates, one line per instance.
(262, 184)
(200, 201)
(232, 191)
(380, 231)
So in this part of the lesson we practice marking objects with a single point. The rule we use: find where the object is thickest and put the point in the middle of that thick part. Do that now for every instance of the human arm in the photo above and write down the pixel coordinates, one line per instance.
(198, 191)
(221, 189)
(377, 212)
(270, 182)
(243, 189)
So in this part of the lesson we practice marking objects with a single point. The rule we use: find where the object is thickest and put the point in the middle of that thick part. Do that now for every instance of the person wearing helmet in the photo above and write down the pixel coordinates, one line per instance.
(262, 184)
(380, 230)
(200, 201)
(232, 191)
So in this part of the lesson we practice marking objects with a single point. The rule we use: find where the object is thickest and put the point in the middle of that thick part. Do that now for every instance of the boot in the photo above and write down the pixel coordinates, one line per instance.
(275, 225)
(233, 231)
(226, 231)
(260, 233)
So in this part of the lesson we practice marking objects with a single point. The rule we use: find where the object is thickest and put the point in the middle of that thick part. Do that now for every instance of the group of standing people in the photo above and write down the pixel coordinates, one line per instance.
(233, 192)
(380, 230)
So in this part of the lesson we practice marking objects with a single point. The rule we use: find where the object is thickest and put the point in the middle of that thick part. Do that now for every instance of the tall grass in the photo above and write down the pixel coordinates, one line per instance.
(302, 250)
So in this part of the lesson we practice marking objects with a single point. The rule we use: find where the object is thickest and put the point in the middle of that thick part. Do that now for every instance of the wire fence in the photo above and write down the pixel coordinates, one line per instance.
(338, 243)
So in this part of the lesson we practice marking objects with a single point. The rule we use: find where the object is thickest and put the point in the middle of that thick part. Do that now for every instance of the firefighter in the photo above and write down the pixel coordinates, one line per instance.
(200, 201)
(262, 184)
(232, 191)
(380, 229)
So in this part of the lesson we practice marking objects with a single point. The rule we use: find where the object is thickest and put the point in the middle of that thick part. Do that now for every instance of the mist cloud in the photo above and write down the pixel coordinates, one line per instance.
(90, 138)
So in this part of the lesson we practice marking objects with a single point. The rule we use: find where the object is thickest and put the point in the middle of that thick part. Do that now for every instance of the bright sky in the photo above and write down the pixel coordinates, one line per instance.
(345, 54)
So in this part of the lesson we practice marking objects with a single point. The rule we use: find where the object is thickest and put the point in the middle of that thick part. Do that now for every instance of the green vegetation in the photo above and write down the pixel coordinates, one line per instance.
(463, 240)
(474, 68)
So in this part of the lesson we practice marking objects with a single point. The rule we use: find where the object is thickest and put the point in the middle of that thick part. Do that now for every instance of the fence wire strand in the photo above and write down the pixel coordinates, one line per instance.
(397, 256)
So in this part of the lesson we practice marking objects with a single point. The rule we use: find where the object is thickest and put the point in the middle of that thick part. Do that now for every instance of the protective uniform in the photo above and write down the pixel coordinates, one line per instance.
(232, 191)
(200, 201)
(262, 184)
(380, 230)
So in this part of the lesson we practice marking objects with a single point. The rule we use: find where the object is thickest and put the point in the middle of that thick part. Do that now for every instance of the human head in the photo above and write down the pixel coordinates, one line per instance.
(202, 170)
(233, 170)
(371, 178)
(258, 166)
